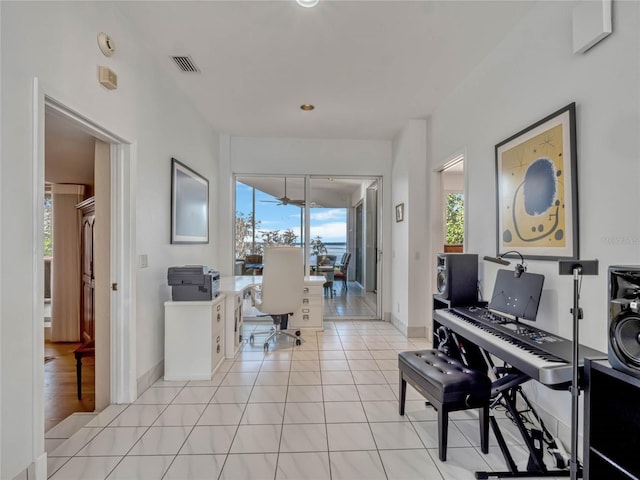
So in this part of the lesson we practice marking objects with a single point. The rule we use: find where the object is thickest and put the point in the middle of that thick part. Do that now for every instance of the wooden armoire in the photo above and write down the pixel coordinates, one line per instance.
(87, 304)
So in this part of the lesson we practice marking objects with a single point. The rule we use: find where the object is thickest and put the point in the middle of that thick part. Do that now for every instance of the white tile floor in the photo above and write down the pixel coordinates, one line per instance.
(327, 409)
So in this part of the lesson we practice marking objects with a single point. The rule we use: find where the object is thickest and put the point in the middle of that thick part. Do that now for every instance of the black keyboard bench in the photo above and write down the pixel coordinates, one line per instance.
(449, 386)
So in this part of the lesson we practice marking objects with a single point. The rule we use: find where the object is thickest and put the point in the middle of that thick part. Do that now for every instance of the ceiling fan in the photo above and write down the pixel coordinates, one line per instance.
(286, 200)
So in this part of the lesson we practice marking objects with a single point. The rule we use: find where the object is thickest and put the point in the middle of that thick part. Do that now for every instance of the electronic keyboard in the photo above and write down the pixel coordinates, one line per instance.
(540, 355)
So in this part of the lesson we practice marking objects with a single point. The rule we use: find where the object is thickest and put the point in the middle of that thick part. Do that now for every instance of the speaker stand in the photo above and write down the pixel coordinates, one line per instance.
(577, 268)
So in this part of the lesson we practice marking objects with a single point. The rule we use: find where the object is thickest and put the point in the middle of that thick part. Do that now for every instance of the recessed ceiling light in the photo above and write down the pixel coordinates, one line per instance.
(307, 107)
(307, 3)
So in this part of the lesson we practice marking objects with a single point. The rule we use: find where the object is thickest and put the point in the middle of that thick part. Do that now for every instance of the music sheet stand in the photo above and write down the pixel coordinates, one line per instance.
(577, 268)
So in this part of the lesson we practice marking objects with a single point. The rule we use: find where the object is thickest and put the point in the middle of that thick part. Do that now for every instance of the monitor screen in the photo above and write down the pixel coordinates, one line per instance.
(517, 296)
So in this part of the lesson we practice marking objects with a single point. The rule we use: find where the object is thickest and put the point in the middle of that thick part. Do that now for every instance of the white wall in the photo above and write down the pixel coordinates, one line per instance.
(531, 74)
(56, 42)
(249, 155)
(452, 182)
(410, 300)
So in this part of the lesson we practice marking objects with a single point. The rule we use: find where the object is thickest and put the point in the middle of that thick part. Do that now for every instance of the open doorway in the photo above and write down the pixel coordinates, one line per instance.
(70, 158)
(114, 188)
(452, 189)
(344, 218)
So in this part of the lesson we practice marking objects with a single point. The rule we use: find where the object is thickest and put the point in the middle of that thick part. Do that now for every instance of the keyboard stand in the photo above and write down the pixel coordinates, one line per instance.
(505, 391)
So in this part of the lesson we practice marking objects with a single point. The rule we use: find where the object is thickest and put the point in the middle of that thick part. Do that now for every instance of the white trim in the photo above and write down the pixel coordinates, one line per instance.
(451, 161)
(123, 319)
(37, 143)
(123, 234)
(307, 223)
(122, 348)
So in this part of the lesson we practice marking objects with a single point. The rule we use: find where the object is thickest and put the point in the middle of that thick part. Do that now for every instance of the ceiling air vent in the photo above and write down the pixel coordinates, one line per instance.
(185, 63)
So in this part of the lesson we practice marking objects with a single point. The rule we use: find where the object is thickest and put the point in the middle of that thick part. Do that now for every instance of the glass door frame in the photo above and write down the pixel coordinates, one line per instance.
(376, 182)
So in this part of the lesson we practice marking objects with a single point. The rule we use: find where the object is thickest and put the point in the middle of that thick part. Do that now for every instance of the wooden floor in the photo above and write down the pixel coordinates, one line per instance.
(60, 386)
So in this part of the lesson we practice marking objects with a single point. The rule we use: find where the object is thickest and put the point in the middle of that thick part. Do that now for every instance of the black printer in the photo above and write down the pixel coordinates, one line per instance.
(193, 283)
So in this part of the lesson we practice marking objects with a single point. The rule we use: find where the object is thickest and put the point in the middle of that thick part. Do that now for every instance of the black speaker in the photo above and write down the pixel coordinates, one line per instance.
(624, 319)
(457, 278)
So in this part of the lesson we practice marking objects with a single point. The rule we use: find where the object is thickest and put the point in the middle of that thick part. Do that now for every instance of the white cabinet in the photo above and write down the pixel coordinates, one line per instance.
(193, 339)
(233, 338)
(309, 315)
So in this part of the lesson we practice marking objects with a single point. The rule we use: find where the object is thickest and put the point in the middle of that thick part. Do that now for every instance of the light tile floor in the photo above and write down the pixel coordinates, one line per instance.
(327, 409)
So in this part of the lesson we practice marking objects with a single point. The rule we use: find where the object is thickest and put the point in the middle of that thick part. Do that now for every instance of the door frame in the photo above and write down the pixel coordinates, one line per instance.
(436, 200)
(122, 360)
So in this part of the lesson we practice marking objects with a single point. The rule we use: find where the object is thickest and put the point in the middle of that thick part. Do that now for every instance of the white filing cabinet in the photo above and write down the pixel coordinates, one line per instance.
(193, 339)
(309, 315)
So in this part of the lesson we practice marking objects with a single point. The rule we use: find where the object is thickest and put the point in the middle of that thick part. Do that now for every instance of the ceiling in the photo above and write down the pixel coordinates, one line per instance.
(367, 66)
(69, 151)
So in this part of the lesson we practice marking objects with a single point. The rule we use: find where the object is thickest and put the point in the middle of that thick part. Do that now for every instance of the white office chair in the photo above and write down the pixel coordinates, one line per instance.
(281, 290)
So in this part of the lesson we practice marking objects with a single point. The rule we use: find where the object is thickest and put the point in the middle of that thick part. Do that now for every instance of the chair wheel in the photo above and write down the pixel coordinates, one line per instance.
(251, 339)
(266, 347)
(298, 342)
(297, 333)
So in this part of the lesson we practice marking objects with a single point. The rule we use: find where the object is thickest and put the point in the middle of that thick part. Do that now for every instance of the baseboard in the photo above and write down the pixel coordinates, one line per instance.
(556, 427)
(409, 332)
(400, 326)
(417, 332)
(36, 471)
(150, 377)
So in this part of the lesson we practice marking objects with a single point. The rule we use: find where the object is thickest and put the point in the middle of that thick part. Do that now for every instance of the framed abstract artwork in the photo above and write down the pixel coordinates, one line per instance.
(400, 212)
(537, 197)
(189, 205)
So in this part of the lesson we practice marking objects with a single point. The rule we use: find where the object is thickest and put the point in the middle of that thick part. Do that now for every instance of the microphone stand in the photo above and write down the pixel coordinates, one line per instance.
(577, 270)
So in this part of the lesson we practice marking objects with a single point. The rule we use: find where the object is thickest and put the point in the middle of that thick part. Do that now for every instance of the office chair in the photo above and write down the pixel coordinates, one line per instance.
(281, 291)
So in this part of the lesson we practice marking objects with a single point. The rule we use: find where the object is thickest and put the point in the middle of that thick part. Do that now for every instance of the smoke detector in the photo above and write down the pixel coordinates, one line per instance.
(106, 44)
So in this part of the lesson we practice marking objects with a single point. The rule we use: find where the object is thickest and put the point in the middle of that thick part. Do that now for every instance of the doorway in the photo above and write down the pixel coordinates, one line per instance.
(115, 364)
(452, 199)
(71, 156)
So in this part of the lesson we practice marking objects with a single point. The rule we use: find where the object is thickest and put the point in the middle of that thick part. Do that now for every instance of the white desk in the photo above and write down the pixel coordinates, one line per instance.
(308, 316)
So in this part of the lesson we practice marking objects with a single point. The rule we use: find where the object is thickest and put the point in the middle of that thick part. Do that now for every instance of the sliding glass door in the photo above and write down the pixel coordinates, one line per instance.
(339, 215)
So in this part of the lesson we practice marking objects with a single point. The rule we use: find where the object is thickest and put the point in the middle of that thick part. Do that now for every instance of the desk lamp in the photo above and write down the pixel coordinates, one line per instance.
(520, 267)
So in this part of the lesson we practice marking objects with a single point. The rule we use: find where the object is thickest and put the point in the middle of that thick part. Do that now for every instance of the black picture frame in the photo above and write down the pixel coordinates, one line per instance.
(189, 205)
(537, 190)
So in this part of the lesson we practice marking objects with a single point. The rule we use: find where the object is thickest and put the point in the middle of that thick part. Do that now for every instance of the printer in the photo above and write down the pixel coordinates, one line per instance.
(193, 283)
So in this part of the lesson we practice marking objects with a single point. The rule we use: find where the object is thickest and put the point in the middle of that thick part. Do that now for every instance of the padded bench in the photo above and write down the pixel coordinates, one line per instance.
(449, 386)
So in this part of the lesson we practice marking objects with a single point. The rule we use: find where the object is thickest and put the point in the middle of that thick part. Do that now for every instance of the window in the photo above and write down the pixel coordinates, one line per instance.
(454, 217)
(269, 211)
